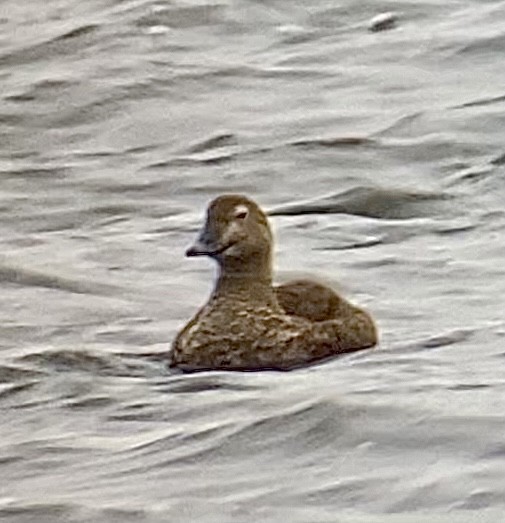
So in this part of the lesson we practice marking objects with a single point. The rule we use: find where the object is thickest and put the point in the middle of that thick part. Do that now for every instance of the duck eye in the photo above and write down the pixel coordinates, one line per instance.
(241, 212)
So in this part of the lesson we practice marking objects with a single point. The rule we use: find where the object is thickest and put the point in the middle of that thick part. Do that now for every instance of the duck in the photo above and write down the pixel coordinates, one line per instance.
(248, 323)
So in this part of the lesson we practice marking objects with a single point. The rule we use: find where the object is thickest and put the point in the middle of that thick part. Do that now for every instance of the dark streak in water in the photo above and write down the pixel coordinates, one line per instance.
(30, 278)
(214, 142)
(49, 173)
(15, 389)
(60, 45)
(355, 245)
(10, 374)
(468, 386)
(189, 386)
(79, 31)
(450, 338)
(77, 360)
(343, 141)
(392, 204)
(481, 102)
(499, 160)
(400, 123)
(189, 161)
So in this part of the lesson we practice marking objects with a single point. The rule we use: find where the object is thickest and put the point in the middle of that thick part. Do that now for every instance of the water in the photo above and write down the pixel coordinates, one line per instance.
(381, 159)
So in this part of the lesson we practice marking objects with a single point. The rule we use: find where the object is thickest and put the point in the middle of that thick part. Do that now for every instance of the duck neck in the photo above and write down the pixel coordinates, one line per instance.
(248, 281)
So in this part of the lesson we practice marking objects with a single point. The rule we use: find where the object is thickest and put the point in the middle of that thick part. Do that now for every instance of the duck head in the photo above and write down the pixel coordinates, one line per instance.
(237, 235)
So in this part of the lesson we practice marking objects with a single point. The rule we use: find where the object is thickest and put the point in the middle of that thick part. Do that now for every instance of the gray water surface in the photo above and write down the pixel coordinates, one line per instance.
(381, 159)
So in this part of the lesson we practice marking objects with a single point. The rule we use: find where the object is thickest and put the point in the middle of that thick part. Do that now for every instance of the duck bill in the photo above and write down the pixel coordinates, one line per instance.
(205, 245)
(200, 248)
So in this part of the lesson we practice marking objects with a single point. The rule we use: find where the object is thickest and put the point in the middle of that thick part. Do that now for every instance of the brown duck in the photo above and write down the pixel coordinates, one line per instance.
(248, 324)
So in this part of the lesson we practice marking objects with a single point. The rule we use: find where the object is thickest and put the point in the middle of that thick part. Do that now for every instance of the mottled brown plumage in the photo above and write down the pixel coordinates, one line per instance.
(248, 324)
(314, 301)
